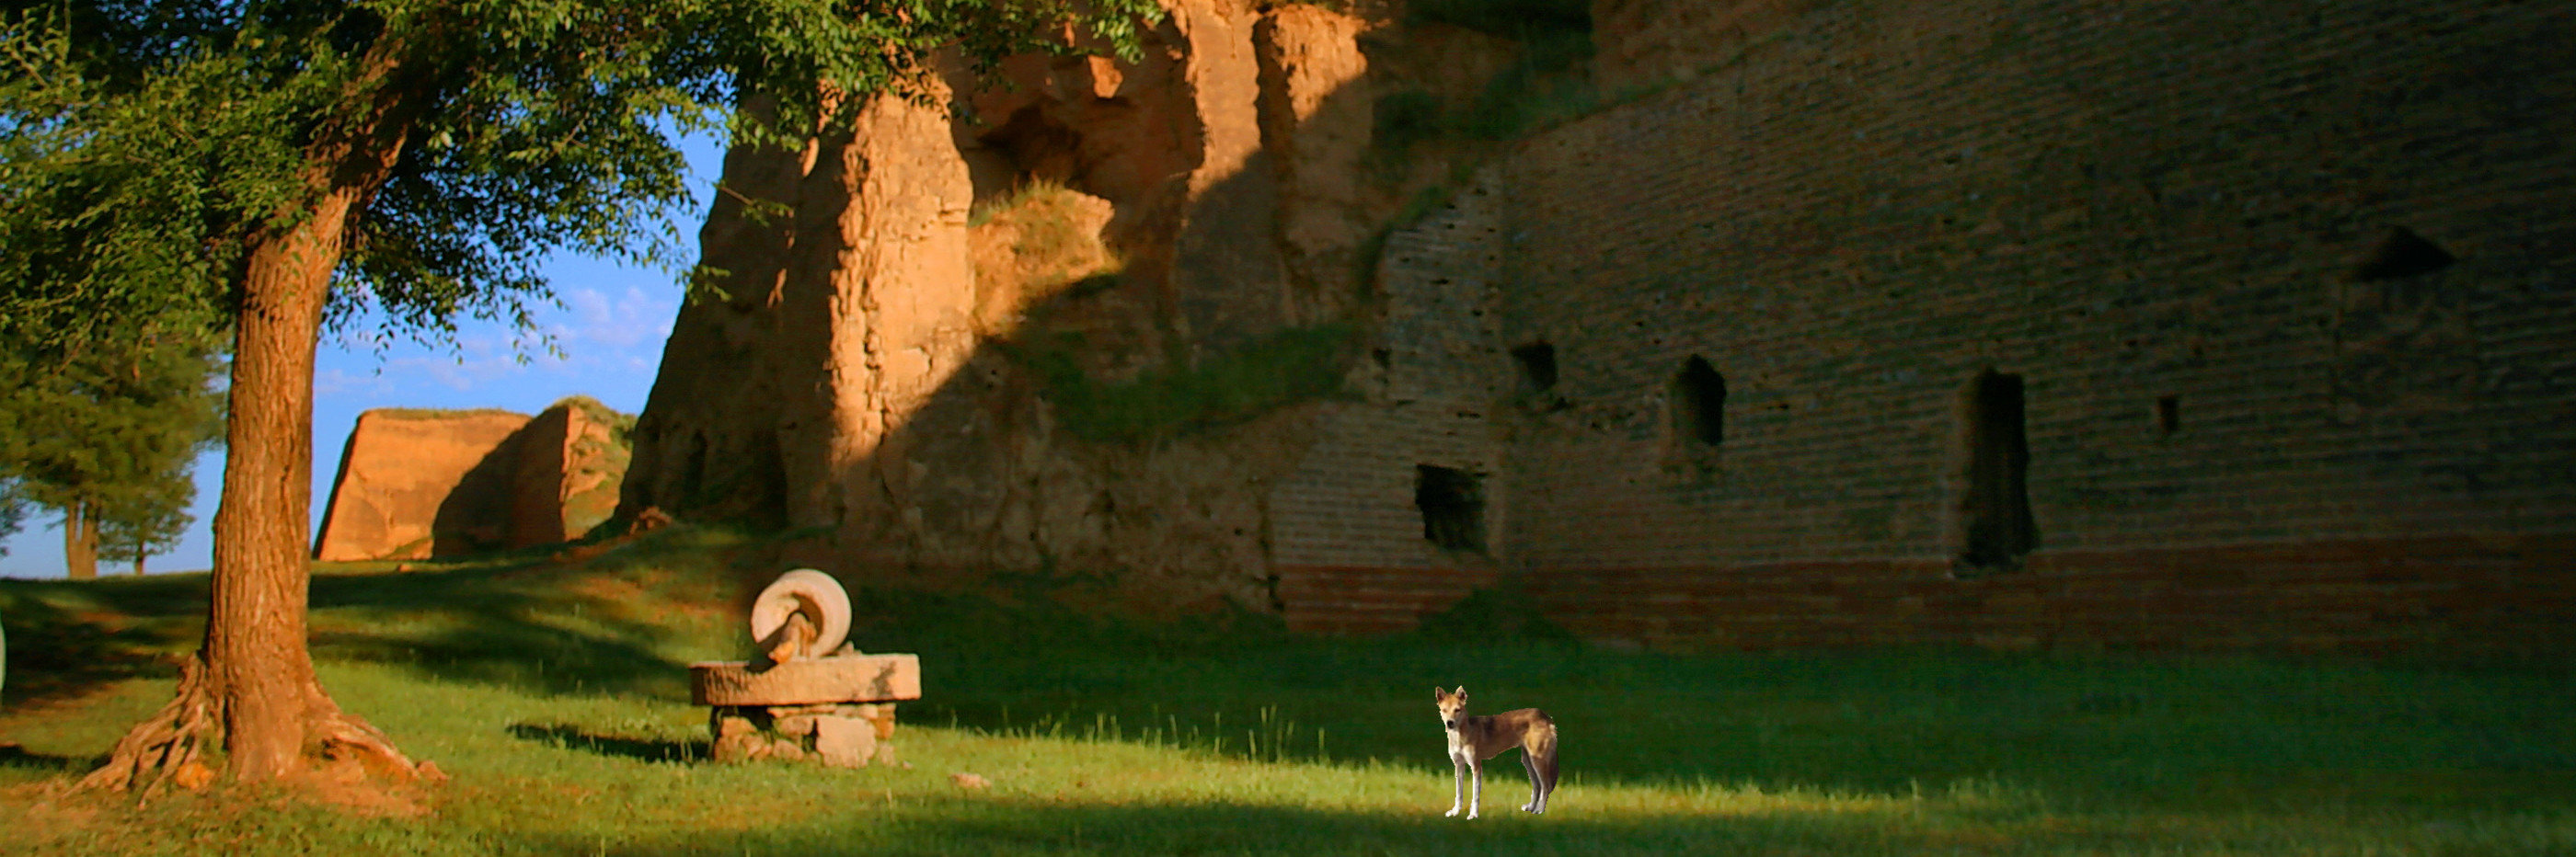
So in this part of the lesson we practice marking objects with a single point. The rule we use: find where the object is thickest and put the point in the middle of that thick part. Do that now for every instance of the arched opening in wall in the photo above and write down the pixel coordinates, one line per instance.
(1697, 401)
(2168, 414)
(2398, 253)
(1537, 364)
(693, 472)
(1453, 507)
(1037, 147)
(1996, 529)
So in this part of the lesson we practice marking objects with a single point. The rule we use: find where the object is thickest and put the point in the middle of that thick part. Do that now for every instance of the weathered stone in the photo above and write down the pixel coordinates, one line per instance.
(803, 614)
(881, 714)
(565, 482)
(401, 470)
(844, 742)
(799, 726)
(742, 746)
(806, 396)
(414, 484)
(822, 680)
(1317, 117)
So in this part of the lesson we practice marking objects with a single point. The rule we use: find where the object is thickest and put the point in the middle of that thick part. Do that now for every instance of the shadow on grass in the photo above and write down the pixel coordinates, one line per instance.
(1028, 825)
(2108, 729)
(16, 757)
(514, 619)
(1026, 656)
(573, 737)
(71, 639)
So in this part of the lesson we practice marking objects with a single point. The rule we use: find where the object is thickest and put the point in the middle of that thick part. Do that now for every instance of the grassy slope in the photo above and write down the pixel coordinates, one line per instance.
(554, 697)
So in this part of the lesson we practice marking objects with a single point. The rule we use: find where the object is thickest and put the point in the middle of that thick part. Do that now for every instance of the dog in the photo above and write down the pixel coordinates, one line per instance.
(1474, 739)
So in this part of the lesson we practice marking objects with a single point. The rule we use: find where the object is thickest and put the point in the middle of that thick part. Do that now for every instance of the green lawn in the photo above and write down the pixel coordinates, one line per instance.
(555, 699)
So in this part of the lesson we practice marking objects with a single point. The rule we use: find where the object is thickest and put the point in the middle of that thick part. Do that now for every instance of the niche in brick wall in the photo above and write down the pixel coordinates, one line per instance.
(1995, 525)
(2400, 253)
(1537, 362)
(1453, 507)
(1697, 401)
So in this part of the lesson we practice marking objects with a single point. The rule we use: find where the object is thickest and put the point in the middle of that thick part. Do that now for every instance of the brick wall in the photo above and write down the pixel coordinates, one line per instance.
(1347, 539)
(2120, 203)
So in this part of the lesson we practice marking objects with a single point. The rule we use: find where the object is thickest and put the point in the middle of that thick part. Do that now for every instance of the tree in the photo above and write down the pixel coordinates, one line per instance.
(108, 436)
(416, 157)
(13, 511)
(148, 522)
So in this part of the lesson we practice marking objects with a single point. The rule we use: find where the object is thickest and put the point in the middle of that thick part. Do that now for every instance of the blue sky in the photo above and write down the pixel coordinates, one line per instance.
(609, 330)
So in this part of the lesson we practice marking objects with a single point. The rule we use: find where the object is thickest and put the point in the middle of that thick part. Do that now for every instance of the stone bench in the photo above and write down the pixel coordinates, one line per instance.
(838, 709)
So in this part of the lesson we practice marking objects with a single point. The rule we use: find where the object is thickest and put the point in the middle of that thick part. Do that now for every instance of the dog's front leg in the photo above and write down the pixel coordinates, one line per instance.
(1457, 784)
(1475, 798)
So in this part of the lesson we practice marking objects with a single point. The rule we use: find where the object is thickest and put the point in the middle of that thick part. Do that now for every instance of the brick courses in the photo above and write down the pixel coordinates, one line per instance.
(1347, 541)
(2118, 202)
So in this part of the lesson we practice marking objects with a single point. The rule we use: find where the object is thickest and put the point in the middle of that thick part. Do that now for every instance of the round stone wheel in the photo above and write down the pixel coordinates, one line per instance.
(812, 593)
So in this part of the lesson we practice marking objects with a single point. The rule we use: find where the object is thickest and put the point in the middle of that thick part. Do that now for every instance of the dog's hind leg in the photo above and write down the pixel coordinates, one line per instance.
(1529, 763)
(1543, 777)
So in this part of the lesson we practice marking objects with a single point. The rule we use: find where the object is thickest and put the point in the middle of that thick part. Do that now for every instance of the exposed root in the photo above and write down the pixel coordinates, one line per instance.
(169, 747)
(342, 737)
(168, 744)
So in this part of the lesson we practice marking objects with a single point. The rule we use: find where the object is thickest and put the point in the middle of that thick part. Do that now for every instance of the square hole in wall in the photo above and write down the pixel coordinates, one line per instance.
(1452, 502)
(1537, 362)
(1697, 403)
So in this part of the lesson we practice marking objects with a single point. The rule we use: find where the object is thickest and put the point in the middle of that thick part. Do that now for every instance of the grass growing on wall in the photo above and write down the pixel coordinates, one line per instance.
(555, 696)
(1549, 83)
(440, 413)
(1293, 365)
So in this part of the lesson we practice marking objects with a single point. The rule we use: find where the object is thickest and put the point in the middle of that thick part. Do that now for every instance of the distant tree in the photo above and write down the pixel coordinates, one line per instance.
(108, 436)
(242, 160)
(149, 522)
(13, 511)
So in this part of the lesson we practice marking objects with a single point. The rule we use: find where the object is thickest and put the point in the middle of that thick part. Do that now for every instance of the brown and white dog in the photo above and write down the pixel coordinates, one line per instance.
(1474, 739)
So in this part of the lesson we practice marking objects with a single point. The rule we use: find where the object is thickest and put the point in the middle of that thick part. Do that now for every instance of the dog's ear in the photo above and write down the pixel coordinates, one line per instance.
(1438, 695)
(1461, 694)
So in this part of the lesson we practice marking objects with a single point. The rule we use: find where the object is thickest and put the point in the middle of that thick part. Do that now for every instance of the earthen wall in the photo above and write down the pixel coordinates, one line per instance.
(2163, 218)
(1347, 532)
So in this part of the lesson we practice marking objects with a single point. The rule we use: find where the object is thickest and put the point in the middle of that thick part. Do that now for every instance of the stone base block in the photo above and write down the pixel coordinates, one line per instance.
(846, 735)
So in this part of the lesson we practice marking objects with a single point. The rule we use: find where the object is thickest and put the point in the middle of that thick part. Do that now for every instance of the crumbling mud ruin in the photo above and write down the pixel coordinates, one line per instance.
(420, 483)
(1998, 322)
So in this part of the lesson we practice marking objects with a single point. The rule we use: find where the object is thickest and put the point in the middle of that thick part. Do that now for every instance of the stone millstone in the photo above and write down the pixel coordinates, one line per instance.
(843, 678)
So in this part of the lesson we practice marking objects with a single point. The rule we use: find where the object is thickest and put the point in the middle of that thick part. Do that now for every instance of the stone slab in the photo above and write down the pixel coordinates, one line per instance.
(845, 742)
(843, 678)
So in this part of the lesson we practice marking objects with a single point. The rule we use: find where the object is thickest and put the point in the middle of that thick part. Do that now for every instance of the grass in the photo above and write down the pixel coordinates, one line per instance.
(1227, 388)
(553, 696)
(441, 413)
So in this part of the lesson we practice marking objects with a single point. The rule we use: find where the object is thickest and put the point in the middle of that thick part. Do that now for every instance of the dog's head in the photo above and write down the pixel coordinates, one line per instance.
(1453, 706)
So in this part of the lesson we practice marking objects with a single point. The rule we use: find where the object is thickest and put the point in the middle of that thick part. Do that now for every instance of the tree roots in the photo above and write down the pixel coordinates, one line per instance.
(168, 748)
(169, 744)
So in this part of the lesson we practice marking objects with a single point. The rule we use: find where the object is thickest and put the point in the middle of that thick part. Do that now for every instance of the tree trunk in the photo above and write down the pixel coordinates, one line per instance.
(255, 636)
(253, 680)
(138, 564)
(80, 542)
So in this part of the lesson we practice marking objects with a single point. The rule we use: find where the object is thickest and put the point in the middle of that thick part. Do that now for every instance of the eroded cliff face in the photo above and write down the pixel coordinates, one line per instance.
(414, 484)
(869, 374)
(845, 270)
